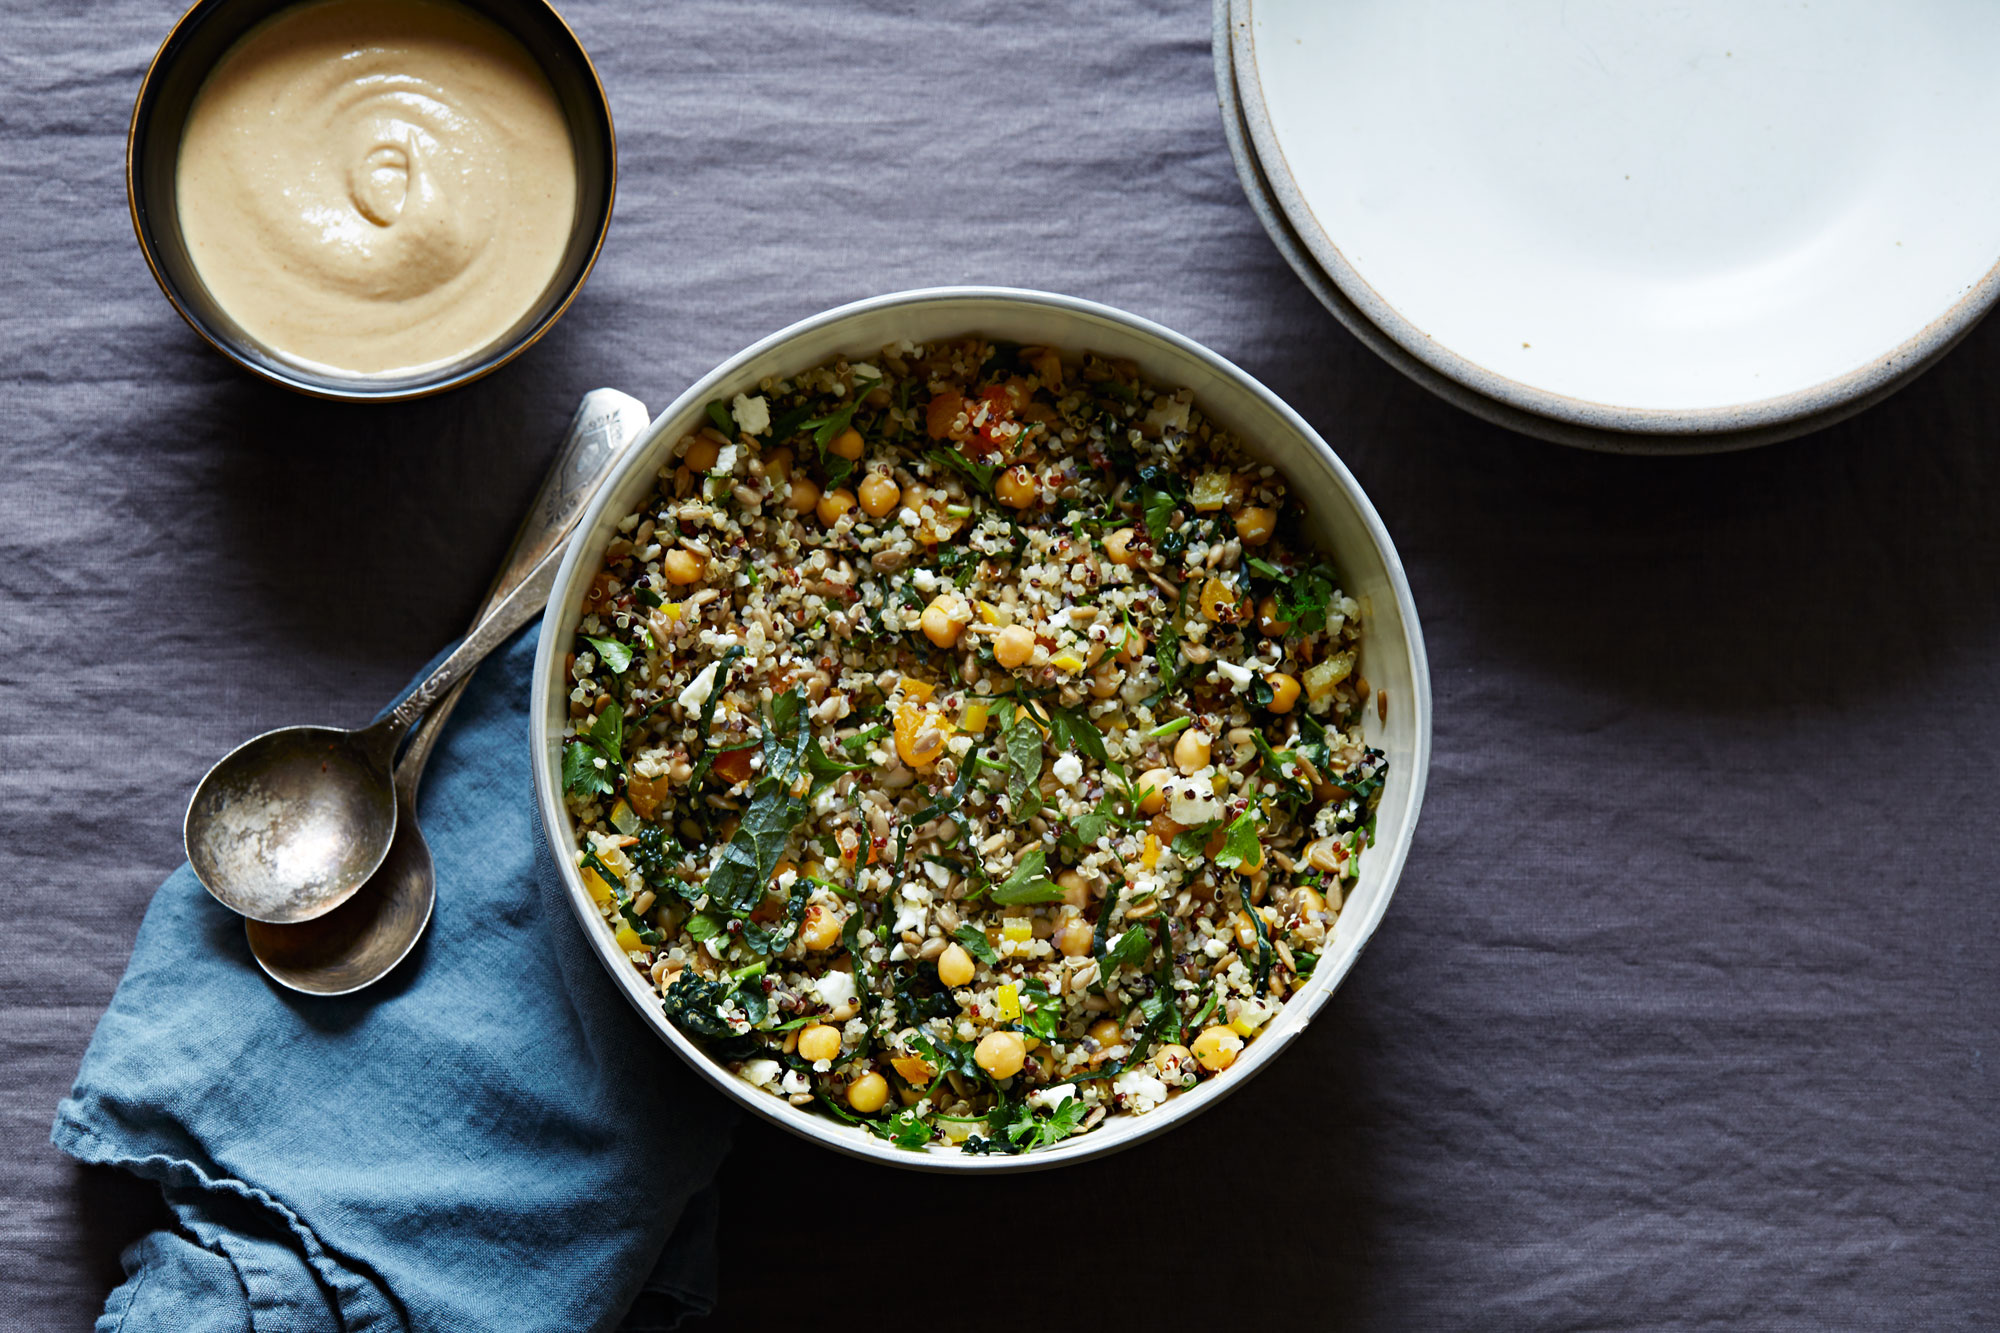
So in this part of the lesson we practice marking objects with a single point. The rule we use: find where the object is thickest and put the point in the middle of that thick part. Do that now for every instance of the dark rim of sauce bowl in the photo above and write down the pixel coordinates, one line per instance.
(152, 156)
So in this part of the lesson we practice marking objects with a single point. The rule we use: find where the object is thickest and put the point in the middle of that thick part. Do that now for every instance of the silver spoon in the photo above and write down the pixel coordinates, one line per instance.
(292, 823)
(365, 938)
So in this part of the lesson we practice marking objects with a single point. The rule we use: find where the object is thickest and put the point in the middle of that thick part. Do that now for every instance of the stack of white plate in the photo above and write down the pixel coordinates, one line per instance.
(1637, 227)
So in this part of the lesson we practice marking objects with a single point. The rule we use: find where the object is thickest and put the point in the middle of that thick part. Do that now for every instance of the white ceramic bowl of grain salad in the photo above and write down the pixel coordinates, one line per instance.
(592, 788)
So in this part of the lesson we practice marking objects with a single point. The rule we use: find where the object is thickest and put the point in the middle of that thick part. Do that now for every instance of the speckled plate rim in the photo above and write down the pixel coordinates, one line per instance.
(544, 760)
(1498, 398)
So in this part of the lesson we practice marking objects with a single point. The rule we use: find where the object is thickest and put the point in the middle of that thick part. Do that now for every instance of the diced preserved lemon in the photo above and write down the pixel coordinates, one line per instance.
(1149, 855)
(1322, 677)
(1067, 662)
(1010, 1003)
(973, 719)
(1017, 929)
(1213, 490)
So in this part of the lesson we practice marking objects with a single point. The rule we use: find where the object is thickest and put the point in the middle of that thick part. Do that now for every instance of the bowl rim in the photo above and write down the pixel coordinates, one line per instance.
(1760, 421)
(809, 1125)
(300, 381)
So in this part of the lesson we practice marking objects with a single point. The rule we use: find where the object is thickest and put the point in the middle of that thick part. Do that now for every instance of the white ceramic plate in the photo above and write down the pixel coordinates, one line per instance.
(1338, 516)
(1700, 219)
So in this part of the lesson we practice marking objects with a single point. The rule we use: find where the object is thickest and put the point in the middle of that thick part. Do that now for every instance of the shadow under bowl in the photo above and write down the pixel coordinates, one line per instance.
(152, 153)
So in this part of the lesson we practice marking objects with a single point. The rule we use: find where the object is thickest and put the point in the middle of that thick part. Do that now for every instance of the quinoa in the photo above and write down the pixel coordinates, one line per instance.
(965, 742)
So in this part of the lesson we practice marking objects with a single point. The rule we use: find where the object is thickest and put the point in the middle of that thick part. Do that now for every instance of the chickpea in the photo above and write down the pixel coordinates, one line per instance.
(1268, 623)
(820, 1041)
(821, 929)
(1131, 643)
(954, 966)
(847, 444)
(1001, 1054)
(1016, 487)
(1306, 902)
(1255, 524)
(1073, 937)
(879, 494)
(1014, 646)
(1104, 683)
(1076, 889)
(701, 455)
(1323, 855)
(833, 504)
(868, 1094)
(804, 496)
(1172, 1060)
(1217, 1048)
(1284, 691)
(1106, 1032)
(778, 466)
(1191, 751)
(681, 566)
(945, 619)
(1118, 547)
(1153, 789)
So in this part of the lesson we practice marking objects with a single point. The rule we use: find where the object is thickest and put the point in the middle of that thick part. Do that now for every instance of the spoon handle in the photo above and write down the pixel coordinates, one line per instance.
(606, 421)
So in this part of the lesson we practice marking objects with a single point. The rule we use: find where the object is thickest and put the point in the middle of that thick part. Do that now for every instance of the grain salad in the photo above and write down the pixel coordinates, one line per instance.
(965, 742)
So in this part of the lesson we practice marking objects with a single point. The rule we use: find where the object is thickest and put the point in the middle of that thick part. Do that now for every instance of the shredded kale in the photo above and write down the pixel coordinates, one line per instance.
(721, 682)
(718, 413)
(738, 882)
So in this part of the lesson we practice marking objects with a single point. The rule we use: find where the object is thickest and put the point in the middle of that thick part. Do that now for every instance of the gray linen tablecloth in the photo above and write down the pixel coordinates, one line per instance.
(1687, 1010)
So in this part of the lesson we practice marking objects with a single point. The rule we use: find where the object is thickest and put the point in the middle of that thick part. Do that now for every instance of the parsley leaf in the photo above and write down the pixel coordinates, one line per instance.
(1239, 844)
(581, 775)
(615, 655)
(1071, 730)
(719, 414)
(1028, 884)
(981, 474)
(975, 942)
(1130, 949)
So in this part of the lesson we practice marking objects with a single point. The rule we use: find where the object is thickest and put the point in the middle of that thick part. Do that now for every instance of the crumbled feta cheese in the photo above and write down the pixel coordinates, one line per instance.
(1140, 1089)
(1068, 769)
(1048, 1099)
(762, 1073)
(834, 989)
(1239, 676)
(796, 1083)
(1191, 800)
(725, 461)
(753, 415)
(697, 691)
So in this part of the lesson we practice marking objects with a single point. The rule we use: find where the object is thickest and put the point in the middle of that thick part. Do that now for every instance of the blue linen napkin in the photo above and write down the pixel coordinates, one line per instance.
(487, 1139)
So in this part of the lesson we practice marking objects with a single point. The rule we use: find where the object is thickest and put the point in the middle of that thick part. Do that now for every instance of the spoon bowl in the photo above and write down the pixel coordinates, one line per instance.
(364, 938)
(291, 823)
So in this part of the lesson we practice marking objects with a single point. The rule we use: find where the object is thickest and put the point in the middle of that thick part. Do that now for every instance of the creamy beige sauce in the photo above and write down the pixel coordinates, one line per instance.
(376, 186)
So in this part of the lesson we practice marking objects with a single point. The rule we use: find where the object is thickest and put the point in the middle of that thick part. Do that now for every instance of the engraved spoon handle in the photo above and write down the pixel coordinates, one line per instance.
(606, 422)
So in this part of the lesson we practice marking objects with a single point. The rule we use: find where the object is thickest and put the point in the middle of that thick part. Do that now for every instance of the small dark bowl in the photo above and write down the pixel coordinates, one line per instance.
(152, 153)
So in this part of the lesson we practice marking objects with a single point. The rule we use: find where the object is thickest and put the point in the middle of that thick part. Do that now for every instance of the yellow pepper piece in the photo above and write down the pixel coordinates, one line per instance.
(1010, 1003)
(973, 719)
(599, 890)
(1067, 662)
(616, 861)
(1017, 929)
(628, 939)
(671, 610)
(1149, 855)
(990, 614)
